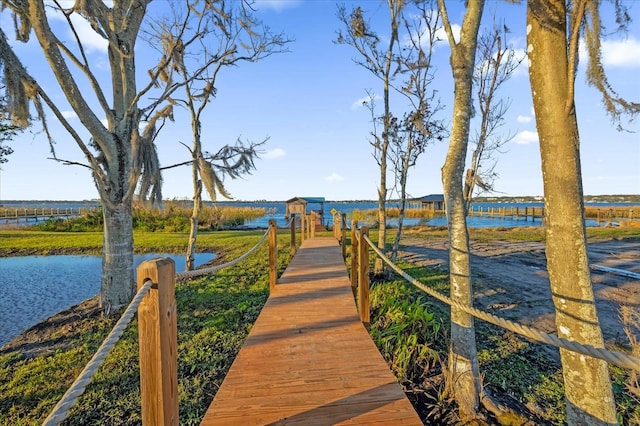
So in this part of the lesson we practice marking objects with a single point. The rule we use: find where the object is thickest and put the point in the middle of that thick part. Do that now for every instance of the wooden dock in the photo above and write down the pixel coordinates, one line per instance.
(308, 359)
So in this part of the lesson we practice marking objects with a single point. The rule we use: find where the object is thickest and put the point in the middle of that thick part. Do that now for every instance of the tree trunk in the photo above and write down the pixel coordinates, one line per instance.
(378, 269)
(403, 201)
(588, 392)
(464, 376)
(193, 221)
(117, 284)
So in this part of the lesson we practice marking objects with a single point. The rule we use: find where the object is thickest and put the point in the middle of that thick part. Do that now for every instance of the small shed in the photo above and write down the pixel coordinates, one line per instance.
(298, 205)
(432, 202)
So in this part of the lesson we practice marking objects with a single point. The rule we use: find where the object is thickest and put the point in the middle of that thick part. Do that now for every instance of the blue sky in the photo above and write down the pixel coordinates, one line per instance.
(308, 103)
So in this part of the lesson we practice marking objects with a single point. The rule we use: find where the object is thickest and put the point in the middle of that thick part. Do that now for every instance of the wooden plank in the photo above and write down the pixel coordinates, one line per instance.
(308, 358)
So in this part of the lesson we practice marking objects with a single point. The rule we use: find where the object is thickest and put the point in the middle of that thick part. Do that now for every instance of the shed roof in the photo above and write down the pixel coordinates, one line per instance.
(312, 200)
(430, 198)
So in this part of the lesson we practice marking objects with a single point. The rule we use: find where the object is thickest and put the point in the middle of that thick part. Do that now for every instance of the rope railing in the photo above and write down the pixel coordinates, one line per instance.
(61, 411)
(77, 388)
(613, 357)
(212, 269)
(288, 224)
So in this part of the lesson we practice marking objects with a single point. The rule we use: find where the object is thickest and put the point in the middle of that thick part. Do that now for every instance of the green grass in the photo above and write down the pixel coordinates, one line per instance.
(215, 313)
(527, 372)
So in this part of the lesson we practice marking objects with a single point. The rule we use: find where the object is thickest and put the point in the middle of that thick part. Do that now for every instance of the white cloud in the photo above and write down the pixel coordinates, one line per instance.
(69, 114)
(616, 53)
(274, 153)
(91, 41)
(333, 177)
(441, 34)
(277, 5)
(526, 137)
(621, 53)
(363, 101)
(524, 119)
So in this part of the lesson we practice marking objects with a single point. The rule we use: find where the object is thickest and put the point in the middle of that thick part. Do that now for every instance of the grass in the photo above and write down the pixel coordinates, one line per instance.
(215, 313)
(174, 216)
(528, 375)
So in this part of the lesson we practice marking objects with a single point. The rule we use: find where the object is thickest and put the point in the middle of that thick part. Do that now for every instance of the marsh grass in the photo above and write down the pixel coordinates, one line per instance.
(172, 217)
(625, 212)
(369, 217)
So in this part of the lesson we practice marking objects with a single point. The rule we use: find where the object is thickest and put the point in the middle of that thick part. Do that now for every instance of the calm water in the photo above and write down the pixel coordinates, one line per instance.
(33, 288)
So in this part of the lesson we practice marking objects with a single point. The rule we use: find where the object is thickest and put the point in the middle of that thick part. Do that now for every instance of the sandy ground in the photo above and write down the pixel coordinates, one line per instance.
(511, 280)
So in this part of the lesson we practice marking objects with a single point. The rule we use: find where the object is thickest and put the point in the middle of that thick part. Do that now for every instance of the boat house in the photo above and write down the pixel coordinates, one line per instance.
(298, 205)
(432, 202)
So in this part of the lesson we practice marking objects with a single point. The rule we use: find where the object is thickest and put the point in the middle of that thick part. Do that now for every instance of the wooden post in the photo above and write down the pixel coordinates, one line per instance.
(273, 254)
(354, 257)
(312, 225)
(293, 234)
(363, 278)
(302, 230)
(158, 342)
(343, 235)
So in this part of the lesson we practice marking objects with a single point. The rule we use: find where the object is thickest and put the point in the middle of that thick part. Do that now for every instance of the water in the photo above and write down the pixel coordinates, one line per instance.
(276, 210)
(33, 288)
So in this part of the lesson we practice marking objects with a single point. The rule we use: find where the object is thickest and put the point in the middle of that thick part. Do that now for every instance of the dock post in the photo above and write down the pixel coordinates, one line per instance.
(273, 254)
(354, 258)
(158, 342)
(302, 228)
(343, 234)
(293, 234)
(363, 278)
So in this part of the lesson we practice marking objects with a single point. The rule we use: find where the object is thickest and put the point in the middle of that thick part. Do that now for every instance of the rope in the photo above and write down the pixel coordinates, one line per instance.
(618, 358)
(205, 271)
(61, 410)
(288, 224)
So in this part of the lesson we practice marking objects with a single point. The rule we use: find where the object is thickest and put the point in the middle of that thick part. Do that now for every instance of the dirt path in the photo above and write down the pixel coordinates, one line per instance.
(511, 280)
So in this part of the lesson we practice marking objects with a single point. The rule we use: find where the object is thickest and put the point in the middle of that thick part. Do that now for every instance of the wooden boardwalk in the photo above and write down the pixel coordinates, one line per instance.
(308, 359)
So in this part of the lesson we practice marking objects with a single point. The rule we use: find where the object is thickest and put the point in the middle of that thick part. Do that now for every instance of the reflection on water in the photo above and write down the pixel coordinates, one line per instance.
(33, 288)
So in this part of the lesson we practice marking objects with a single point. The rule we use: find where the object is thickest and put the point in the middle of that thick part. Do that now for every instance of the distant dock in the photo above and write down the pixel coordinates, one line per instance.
(26, 215)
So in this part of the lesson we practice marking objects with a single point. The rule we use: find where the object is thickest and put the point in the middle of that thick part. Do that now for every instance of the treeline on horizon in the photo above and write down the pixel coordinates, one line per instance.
(609, 198)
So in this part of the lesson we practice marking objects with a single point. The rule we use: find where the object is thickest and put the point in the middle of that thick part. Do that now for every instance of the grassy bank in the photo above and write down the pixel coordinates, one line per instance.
(412, 330)
(216, 312)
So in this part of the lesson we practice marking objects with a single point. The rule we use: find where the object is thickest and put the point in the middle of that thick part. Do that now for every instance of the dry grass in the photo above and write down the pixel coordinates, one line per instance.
(631, 320)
